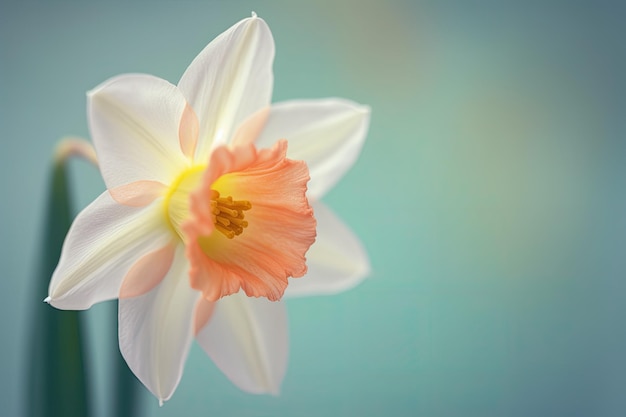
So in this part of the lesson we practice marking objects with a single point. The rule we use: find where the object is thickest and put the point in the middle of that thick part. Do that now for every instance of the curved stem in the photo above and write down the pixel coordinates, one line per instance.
(58, 382)
(73, 146)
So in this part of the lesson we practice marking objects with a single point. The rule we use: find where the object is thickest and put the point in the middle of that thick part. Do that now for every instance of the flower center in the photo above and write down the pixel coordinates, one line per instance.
(228, 214)
(225, 213)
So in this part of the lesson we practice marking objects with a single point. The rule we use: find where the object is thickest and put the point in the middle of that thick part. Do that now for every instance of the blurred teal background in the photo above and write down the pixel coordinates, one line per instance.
(490, 195)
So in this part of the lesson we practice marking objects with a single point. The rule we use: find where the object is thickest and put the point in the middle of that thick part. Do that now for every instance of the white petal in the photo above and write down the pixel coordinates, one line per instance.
(134, 121)
(229, 80)
(104, 240)
(155, 329)
(337, 261)
(247, 339)
(327, 134)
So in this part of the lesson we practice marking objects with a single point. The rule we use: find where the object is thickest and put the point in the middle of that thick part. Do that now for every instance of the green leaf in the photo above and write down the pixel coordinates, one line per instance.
(57, 384)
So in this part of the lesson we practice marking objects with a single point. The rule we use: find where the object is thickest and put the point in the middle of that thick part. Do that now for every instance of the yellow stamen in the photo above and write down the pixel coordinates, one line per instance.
(228, 214)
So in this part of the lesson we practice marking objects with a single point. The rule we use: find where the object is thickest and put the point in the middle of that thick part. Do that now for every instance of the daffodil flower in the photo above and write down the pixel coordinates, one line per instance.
(209, 213)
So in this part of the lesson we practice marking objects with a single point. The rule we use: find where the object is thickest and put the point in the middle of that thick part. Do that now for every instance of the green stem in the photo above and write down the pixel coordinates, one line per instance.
(127, 388)
(57, 384)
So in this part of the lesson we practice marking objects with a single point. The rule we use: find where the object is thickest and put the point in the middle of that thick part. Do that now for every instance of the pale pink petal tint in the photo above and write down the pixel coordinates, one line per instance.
(138, 193)
(188, 131)
(280, 224)
(251, 128)
(148, 272)
(202, 314)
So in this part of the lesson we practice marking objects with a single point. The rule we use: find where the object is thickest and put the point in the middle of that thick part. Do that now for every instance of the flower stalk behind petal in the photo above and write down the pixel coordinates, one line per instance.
(73, 146)
(57, 384)
(127, 389)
